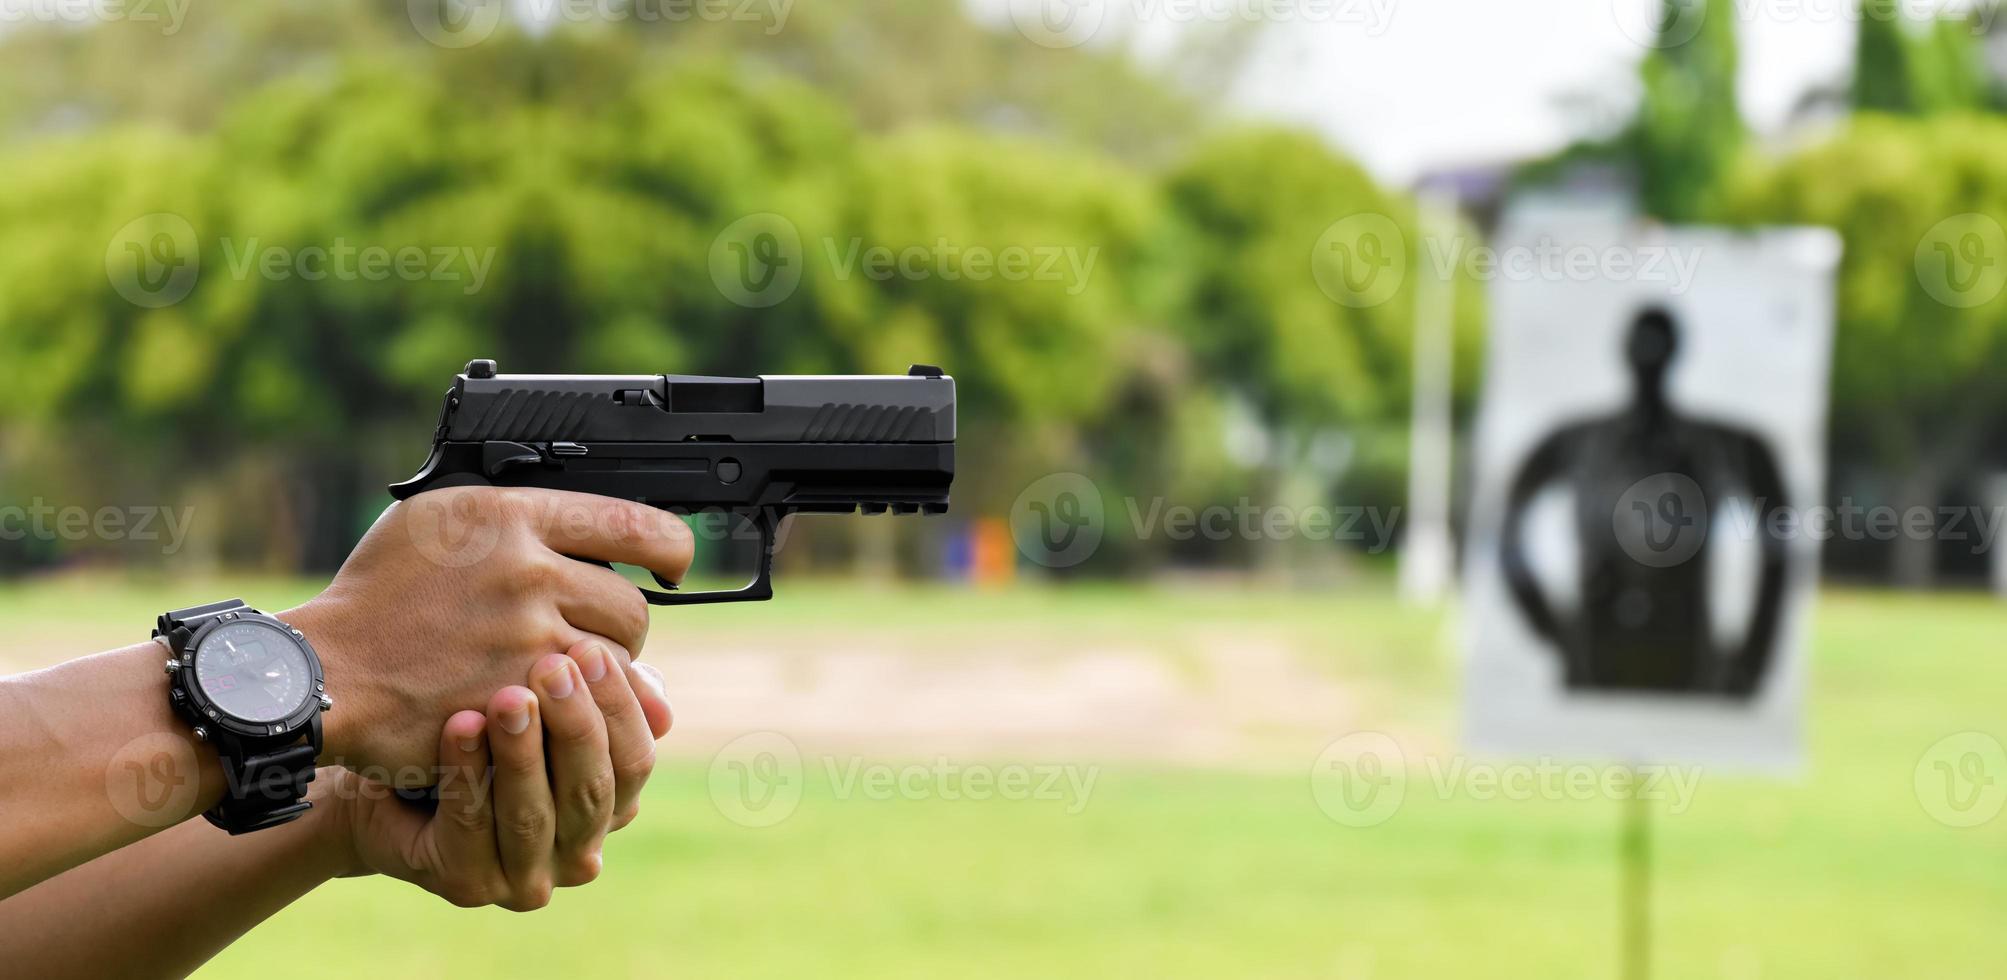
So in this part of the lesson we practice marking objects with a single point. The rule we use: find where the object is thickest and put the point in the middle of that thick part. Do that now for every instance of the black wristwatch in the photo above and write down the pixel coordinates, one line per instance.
(252, 687)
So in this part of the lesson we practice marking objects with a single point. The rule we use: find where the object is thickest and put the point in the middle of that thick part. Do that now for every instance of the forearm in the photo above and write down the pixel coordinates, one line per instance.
(132, 913)
(92, 759)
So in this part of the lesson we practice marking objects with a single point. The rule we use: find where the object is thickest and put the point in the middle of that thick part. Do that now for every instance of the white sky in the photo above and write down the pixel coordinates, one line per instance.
(1406, 85)
(1466, 81)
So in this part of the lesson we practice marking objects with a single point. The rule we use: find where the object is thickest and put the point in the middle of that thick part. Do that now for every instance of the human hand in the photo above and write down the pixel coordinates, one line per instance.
(455, 593)
(569, 756)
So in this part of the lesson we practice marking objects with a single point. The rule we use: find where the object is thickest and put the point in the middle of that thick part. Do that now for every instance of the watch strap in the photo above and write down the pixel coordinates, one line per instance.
(187, 621)
(265, 789)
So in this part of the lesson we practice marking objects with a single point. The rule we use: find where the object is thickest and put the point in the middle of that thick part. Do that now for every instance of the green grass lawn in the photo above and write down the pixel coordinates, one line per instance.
(1208, 872)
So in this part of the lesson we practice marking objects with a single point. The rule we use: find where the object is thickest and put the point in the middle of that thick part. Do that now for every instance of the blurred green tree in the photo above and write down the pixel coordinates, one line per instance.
(577, 235)
(530, 233)
(1681, 143)
(1296, 301)
(1260, 316)
(1917, 67)
(890, 63)
(1689, 124)
(1922, 330)
(896, 63)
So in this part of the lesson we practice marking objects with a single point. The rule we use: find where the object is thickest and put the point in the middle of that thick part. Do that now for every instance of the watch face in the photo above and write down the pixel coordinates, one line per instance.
(254, 672)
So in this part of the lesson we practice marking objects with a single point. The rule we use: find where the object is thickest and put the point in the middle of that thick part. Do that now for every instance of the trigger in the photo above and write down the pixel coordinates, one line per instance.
(654, 598)
(663, 598)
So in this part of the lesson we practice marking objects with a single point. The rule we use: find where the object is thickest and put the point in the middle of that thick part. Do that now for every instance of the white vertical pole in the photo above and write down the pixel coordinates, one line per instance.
(1998, 492)
(1428, 552)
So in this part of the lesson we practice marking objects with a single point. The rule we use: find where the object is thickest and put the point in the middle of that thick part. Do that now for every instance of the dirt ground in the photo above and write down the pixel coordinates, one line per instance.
(1230, 699)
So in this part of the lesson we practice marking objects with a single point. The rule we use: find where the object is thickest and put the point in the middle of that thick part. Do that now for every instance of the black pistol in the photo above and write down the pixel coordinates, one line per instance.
(758, 448)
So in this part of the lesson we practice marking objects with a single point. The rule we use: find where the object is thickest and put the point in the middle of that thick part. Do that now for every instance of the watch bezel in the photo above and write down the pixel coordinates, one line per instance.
(202, 710)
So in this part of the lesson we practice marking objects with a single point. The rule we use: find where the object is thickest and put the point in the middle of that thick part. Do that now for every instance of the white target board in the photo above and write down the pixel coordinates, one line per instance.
(1649, 457)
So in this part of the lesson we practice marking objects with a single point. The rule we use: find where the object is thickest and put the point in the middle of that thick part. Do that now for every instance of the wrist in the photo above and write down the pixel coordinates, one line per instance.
(330, 825)
(344, 730)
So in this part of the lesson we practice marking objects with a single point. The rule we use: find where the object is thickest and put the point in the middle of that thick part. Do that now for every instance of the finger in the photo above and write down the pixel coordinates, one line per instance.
(611, 529)
(464, 825)
(603, 602)
(647, 682)
(630, 743)
(525, 823)
(581, 772)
